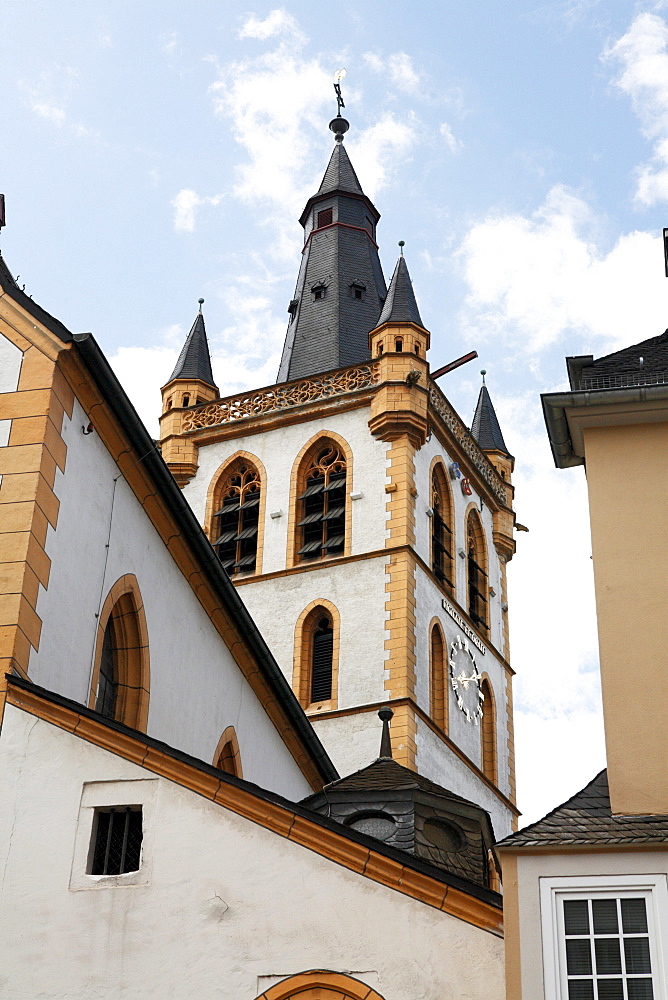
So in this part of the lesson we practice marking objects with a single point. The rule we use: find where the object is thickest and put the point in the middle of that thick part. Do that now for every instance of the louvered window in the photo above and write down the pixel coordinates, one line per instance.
(107, 688)
(441, 536)
(237, 521)
(321, 661)
(477, 582)
(322, 506)
(325, 218)
(118, 837)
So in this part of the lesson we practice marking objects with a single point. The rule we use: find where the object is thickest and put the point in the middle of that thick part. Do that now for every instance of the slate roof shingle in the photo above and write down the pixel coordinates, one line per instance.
(194, 360)
(400, 305)
(586, 819)
(623, 367)
(485, 427)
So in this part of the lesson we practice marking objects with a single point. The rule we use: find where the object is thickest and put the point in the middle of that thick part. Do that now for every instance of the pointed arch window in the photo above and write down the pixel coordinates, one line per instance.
(315, 677)
(228, 756)
(476, 571)
(236, 523)
(441, 532)
(322, 504)
(488, 732)
(121, 674)
(438, 678)
(322, 649)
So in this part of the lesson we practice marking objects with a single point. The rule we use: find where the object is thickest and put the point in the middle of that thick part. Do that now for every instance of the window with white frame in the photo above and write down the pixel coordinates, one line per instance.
(602, 937)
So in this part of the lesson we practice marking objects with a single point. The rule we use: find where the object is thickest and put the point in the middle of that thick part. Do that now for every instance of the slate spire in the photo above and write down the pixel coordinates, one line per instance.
(340, 287)
(400, 304)
(194, 360)
(485, 427)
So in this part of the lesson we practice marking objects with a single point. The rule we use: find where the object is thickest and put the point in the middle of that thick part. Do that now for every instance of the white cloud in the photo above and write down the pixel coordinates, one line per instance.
(277, 22)
(49, 96)
(185, 205)
(558, 727)
(398, 68)
(643, 55)
(380, 149)
(532, 279)
(454, 145)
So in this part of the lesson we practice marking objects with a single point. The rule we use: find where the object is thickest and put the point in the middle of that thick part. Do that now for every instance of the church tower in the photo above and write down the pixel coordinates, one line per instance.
(366, 528)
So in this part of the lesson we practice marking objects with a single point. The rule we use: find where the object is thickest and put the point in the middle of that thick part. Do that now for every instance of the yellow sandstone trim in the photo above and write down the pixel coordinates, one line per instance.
(278, 818)
(318, 984)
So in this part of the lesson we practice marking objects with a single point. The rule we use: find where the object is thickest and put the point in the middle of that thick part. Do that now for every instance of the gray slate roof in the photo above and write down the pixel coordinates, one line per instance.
(340, 287)
(386, 774)
(623, 367)
(400, 304)
(586, 819)
(340, 174)
(485, 427)
(194, 359)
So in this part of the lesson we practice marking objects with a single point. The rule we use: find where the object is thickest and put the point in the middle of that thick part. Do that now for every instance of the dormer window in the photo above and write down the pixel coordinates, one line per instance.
(325, 218)
(358, 291)
(292, 308)
(319, 292)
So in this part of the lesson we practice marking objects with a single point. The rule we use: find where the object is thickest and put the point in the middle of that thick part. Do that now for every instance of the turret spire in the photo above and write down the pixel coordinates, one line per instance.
(485, 427)
(400, 304)
(194, 360)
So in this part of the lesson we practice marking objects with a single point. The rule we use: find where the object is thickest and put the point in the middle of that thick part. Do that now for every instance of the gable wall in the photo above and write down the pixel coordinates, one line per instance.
(223, 904)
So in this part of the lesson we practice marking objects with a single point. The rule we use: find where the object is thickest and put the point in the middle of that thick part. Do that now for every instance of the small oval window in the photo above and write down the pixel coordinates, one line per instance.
(377, 825)
(445, 836)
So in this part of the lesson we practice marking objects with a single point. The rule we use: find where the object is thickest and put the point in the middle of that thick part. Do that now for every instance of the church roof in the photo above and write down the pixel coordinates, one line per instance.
(194, 360)
(586, 818)
(622, 368)
(485, 427)
(400, 305)
(385, 774)
(340, 174)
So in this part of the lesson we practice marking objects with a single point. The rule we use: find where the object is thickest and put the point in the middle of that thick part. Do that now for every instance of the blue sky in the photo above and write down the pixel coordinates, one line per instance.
(156, 153)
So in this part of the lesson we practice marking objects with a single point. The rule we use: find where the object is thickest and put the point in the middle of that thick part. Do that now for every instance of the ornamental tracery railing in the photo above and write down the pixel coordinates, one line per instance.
(468, 443)
(280, 397)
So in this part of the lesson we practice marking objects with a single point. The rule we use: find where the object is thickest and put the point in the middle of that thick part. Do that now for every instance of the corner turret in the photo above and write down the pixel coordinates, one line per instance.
(190, 384)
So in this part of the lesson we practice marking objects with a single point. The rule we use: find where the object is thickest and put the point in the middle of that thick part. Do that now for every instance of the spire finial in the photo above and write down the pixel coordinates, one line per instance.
(402, 244)
(201, 303)
(339, 125)
(483, 372)
(385, 714)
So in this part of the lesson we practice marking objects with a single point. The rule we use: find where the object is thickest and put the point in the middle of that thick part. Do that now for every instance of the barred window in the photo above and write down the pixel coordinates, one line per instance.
(117, 838)
(441, 533)
(322, 505)
(237, 521)
(477, 576)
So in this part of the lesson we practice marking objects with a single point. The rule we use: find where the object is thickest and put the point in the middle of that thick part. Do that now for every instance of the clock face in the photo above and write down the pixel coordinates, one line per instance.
(465, 680)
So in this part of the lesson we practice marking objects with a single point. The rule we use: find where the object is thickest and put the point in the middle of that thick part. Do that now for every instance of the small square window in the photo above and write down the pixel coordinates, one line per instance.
(319, 292)
(325, 218)
(117, 839)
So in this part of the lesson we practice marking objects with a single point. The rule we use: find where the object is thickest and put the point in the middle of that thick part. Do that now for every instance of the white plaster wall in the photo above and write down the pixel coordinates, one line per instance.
(229, 907)
(530, 869)
(441, 765)
(352, 741)
(277, 450)
(197, 690)
(357, 590)
(11, 359)
(423, 459)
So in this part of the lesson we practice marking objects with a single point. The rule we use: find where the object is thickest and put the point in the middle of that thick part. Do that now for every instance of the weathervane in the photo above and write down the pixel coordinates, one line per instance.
(339, 125)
